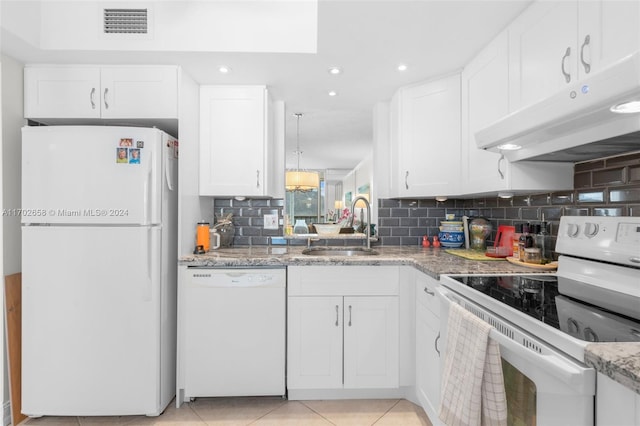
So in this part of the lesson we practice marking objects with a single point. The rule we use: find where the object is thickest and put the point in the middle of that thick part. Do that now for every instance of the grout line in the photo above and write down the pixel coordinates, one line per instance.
(387, 412)
(284, 402)
(302, 402)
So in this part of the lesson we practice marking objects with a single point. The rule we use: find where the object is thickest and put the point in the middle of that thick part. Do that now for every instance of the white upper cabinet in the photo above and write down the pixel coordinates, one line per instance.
(425, 121)
(237, 147)
(608, 30)
(554, 44)
(100, 92)
(140, 92)
(61, 92)
(485, 99)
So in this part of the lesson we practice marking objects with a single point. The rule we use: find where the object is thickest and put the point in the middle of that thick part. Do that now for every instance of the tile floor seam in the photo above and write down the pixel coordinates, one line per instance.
(193, 410)
(286, 401)
(386, 412)
(302, 402)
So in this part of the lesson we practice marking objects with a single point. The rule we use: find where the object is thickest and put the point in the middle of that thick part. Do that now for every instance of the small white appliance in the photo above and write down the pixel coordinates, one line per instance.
(99, 237)
(231, 332)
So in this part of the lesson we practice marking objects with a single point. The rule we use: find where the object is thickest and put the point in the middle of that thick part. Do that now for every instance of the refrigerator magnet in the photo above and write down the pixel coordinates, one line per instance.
(139, 144)
(126, 142)
(122, 155)
(134, 156)
(175, 149)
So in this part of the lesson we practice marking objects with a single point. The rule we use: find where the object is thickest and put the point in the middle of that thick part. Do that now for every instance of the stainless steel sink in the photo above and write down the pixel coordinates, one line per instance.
(339, 251)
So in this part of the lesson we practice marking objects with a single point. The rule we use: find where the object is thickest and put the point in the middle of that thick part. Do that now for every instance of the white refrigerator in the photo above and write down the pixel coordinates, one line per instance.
(99, 266)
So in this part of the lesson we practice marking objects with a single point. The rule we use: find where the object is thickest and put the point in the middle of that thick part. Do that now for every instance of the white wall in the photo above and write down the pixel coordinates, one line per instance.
(191, 207)
(213, 26)
(3, 370)
(12, 121)
(381, 150)
(12, 117)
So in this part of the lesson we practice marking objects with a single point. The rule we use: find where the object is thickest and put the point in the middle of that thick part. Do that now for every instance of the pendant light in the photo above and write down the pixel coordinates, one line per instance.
(300, 180)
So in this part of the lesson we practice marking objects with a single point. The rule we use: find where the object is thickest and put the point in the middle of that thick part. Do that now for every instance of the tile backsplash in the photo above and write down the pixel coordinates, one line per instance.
(603, 187)
(248, 218)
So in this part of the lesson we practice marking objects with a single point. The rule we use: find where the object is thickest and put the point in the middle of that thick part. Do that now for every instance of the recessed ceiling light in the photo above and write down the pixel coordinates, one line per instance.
(627, 107)
(335, 70)
(508, 147)
(333, 93)
(402, 67)
(224, 69)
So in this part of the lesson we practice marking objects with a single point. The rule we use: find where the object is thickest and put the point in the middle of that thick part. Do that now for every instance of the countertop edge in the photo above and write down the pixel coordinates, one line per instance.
(618, 361)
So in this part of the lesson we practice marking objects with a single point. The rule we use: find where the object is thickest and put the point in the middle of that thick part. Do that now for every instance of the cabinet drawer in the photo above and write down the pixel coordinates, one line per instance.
(343, 280)
(426, 294)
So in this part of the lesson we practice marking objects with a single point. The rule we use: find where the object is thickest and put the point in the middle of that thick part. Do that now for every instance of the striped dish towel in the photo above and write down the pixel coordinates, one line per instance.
(472, 383)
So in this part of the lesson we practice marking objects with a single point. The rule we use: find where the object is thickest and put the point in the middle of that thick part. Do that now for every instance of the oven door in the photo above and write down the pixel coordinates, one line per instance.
(543, 386)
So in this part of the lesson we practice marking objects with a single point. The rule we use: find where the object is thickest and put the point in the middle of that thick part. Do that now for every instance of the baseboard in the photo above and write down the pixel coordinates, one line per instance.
(6, 413)
(315, 394)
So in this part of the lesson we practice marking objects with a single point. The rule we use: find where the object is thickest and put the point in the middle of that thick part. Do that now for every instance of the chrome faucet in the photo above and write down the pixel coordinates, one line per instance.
(353, 214)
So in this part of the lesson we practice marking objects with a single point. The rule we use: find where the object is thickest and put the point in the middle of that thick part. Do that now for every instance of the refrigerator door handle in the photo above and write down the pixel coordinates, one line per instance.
(146, 291)
(168, 172)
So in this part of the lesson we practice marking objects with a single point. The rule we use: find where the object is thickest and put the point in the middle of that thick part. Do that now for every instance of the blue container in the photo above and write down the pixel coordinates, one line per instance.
(451, 238)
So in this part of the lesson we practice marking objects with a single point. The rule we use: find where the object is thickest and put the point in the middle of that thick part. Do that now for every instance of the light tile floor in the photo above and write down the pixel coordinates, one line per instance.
(265, 411)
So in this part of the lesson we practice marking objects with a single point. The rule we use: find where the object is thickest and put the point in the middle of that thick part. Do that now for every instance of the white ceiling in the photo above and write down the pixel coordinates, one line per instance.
(366, 38)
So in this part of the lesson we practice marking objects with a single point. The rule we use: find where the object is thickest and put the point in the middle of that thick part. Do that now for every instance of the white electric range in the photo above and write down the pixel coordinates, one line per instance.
(544, 321)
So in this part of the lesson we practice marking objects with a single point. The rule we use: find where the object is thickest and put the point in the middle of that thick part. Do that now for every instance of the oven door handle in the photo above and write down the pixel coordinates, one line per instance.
(566, 371)
(571, 373)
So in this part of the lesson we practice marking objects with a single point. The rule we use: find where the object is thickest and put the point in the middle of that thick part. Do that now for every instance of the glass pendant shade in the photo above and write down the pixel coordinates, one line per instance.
(300, 180)
(297, 180)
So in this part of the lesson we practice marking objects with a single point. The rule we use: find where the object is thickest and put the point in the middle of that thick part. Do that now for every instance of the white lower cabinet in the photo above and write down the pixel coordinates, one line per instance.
(343, 328)
(428, 357)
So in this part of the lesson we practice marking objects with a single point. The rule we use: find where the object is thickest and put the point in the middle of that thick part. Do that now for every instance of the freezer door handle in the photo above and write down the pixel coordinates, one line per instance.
(168, 172)
(146, 200)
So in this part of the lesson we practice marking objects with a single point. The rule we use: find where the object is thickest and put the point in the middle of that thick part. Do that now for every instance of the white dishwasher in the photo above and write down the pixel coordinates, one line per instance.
(232, 327)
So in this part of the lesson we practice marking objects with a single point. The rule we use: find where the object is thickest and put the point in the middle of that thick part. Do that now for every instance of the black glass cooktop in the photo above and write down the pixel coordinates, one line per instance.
(532, 295)
(538, 297)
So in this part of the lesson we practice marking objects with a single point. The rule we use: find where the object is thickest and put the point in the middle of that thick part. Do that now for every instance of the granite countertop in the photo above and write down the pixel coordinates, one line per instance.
(620, 361)
(431, 261)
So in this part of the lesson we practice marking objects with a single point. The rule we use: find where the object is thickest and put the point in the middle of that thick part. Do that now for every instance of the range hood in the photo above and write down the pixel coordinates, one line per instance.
(576, 124)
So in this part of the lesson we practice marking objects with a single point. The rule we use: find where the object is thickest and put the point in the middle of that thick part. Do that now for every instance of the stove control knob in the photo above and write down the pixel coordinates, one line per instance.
(590, 335)
(572, 230)
(590, 229)
(572, 326)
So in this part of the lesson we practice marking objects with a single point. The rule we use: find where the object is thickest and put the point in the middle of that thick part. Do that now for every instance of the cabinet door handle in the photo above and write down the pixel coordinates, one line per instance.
(337, 323)
(430, 293)
(567, 76)
(435, 344)
(92, 98)
(499, 165)
(586, 65)
(104, 98)
(406, 180)
(257, 178)
(349, 315)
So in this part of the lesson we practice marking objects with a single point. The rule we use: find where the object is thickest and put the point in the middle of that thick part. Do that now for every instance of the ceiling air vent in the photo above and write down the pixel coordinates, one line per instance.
(125, 21)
